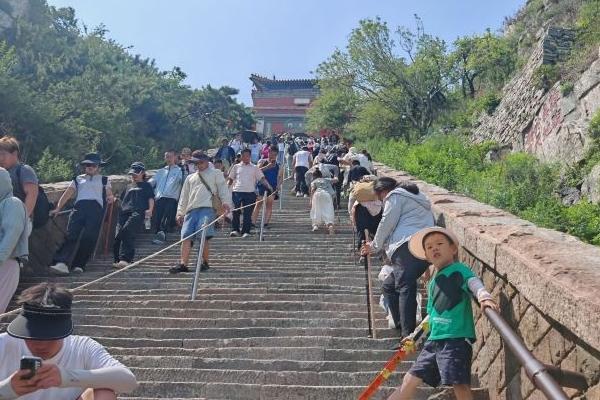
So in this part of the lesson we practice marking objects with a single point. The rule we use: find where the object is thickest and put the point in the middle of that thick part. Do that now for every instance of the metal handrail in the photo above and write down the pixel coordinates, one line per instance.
(537, 372)
(199, 259)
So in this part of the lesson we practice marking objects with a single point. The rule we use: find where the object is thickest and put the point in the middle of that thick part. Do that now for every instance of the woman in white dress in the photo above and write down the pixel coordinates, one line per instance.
(321, 199)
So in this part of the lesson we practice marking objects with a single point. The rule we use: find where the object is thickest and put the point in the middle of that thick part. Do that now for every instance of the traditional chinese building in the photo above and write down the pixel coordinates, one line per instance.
(280, 105)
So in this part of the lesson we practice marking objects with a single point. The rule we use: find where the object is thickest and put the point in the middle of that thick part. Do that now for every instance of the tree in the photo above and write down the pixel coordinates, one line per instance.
(413, 85)
(482, 61)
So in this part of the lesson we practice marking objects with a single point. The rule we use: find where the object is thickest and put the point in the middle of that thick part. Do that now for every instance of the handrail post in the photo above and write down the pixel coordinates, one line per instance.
(262, 216)
(199, 260)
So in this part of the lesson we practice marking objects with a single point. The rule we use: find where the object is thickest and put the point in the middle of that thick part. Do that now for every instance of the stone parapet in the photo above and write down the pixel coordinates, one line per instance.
(44, 241)
(546, 282)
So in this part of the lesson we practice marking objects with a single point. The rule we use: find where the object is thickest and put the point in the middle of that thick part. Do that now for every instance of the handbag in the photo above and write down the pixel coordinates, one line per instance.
(217, 204)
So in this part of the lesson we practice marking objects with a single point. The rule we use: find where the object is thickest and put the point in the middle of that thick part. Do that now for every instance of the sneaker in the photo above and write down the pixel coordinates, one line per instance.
(159, 238)
(234, 234)
(298, 194)
(204, 266)
(245, 235)
(305, 195)
(178, 268)
(315, 228)
(120, 264)
(78, 270)
(59, 269)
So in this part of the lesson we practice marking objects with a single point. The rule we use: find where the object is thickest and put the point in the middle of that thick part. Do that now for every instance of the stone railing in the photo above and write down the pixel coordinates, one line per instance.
(44, 241)
(547, 284)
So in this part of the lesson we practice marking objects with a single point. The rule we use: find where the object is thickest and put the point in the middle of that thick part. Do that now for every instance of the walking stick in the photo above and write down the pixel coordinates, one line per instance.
(407, 347)
(370, 312)
(110, 219)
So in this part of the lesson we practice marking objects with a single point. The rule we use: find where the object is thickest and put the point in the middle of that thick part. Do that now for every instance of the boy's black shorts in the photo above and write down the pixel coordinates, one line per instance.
(446, 361)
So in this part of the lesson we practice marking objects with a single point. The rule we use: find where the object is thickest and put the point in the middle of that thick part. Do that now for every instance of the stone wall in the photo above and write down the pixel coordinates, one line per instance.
(546, 282)
(545, 123)
(44, 241)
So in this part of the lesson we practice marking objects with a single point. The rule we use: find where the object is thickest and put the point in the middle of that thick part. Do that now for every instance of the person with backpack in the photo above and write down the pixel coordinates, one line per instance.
(92, 193)
(24, 182)
(14, 231)
(226, 153)
(167, 183)
(137, 205)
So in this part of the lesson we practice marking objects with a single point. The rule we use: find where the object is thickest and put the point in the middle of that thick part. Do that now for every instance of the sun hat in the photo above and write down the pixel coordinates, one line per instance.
(93, 158)
(137, 168)
(415, 244)
(199, 155)
(41, 323)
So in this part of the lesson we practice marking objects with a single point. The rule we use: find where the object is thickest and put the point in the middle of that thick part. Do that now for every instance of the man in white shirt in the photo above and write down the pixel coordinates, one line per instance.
(302, 162)
(244, 177)
(70, 365)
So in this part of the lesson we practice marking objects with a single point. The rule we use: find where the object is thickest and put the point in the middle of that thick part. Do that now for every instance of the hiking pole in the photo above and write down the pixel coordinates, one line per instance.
(199, 259)
(262, 216)
(408, 346)
(368, 290)
(110, 219)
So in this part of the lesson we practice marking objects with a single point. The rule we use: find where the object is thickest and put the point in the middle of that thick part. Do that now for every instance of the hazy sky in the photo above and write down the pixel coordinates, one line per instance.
(222, 42)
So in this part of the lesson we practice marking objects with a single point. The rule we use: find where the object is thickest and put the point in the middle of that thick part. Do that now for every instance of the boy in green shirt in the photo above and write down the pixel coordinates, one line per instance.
(446, 356)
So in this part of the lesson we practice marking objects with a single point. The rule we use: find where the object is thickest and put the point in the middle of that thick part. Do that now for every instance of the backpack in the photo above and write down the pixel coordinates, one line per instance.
(41, 210)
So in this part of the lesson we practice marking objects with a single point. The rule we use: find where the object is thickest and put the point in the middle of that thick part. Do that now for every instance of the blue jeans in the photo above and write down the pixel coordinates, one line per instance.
(243, 199)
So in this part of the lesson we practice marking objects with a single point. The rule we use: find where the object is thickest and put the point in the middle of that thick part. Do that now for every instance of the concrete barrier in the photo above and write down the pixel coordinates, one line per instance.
(546, 282)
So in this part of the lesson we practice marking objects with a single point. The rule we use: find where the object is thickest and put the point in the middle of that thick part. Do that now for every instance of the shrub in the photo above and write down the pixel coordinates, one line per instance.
(594, 128)
(487, 102)
(566, 88)
(545, 76)
(51, 168)
(520, 183)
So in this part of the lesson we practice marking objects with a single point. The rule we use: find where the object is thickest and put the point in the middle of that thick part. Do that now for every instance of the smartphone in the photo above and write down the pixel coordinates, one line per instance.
(31, 364)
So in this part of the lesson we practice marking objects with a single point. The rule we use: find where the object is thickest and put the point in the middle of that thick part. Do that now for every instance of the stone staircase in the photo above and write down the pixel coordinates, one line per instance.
(279, 319)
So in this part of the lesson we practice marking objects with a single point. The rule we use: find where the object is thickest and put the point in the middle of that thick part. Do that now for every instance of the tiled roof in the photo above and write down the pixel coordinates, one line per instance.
(262, 83)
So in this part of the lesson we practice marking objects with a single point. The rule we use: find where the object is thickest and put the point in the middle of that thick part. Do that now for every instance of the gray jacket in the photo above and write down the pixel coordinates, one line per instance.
(14, 224)
(404, 214)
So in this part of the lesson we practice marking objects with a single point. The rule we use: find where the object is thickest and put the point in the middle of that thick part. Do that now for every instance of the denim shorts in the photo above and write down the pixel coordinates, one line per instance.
(446, 361)
(194, 220)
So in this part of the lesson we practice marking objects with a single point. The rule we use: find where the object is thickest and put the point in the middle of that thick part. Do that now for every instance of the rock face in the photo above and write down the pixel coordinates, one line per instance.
(591, 185)
(547, 124)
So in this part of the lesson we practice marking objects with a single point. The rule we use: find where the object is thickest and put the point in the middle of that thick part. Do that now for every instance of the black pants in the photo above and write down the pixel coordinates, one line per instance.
(128, 226)
(243, 199)
(338, 188)
(301, 180)
(85, 221)
(400, 289)
(164, 214)
(364, 220)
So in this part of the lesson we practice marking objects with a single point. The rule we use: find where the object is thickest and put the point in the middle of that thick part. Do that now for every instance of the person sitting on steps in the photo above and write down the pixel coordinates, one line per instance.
(72, 367)
(92, 193)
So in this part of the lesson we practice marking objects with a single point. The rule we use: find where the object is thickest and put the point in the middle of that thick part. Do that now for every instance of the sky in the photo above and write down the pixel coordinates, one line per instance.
(222, 42)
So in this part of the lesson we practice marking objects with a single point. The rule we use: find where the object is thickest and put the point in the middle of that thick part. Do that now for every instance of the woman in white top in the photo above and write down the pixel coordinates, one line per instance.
(321, 210)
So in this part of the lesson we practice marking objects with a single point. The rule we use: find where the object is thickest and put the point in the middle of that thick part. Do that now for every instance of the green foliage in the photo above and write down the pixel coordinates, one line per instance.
(519, 183)
(545, 76)
(486, 103)
(566, 88)
(594, 128)
(52, 168)
(71, 91)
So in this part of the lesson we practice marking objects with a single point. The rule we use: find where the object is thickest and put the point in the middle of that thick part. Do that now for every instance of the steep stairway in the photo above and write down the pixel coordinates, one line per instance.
(280, 319)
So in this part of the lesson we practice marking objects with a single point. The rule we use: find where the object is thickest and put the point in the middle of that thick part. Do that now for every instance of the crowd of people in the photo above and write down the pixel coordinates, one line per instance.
(390, 219)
